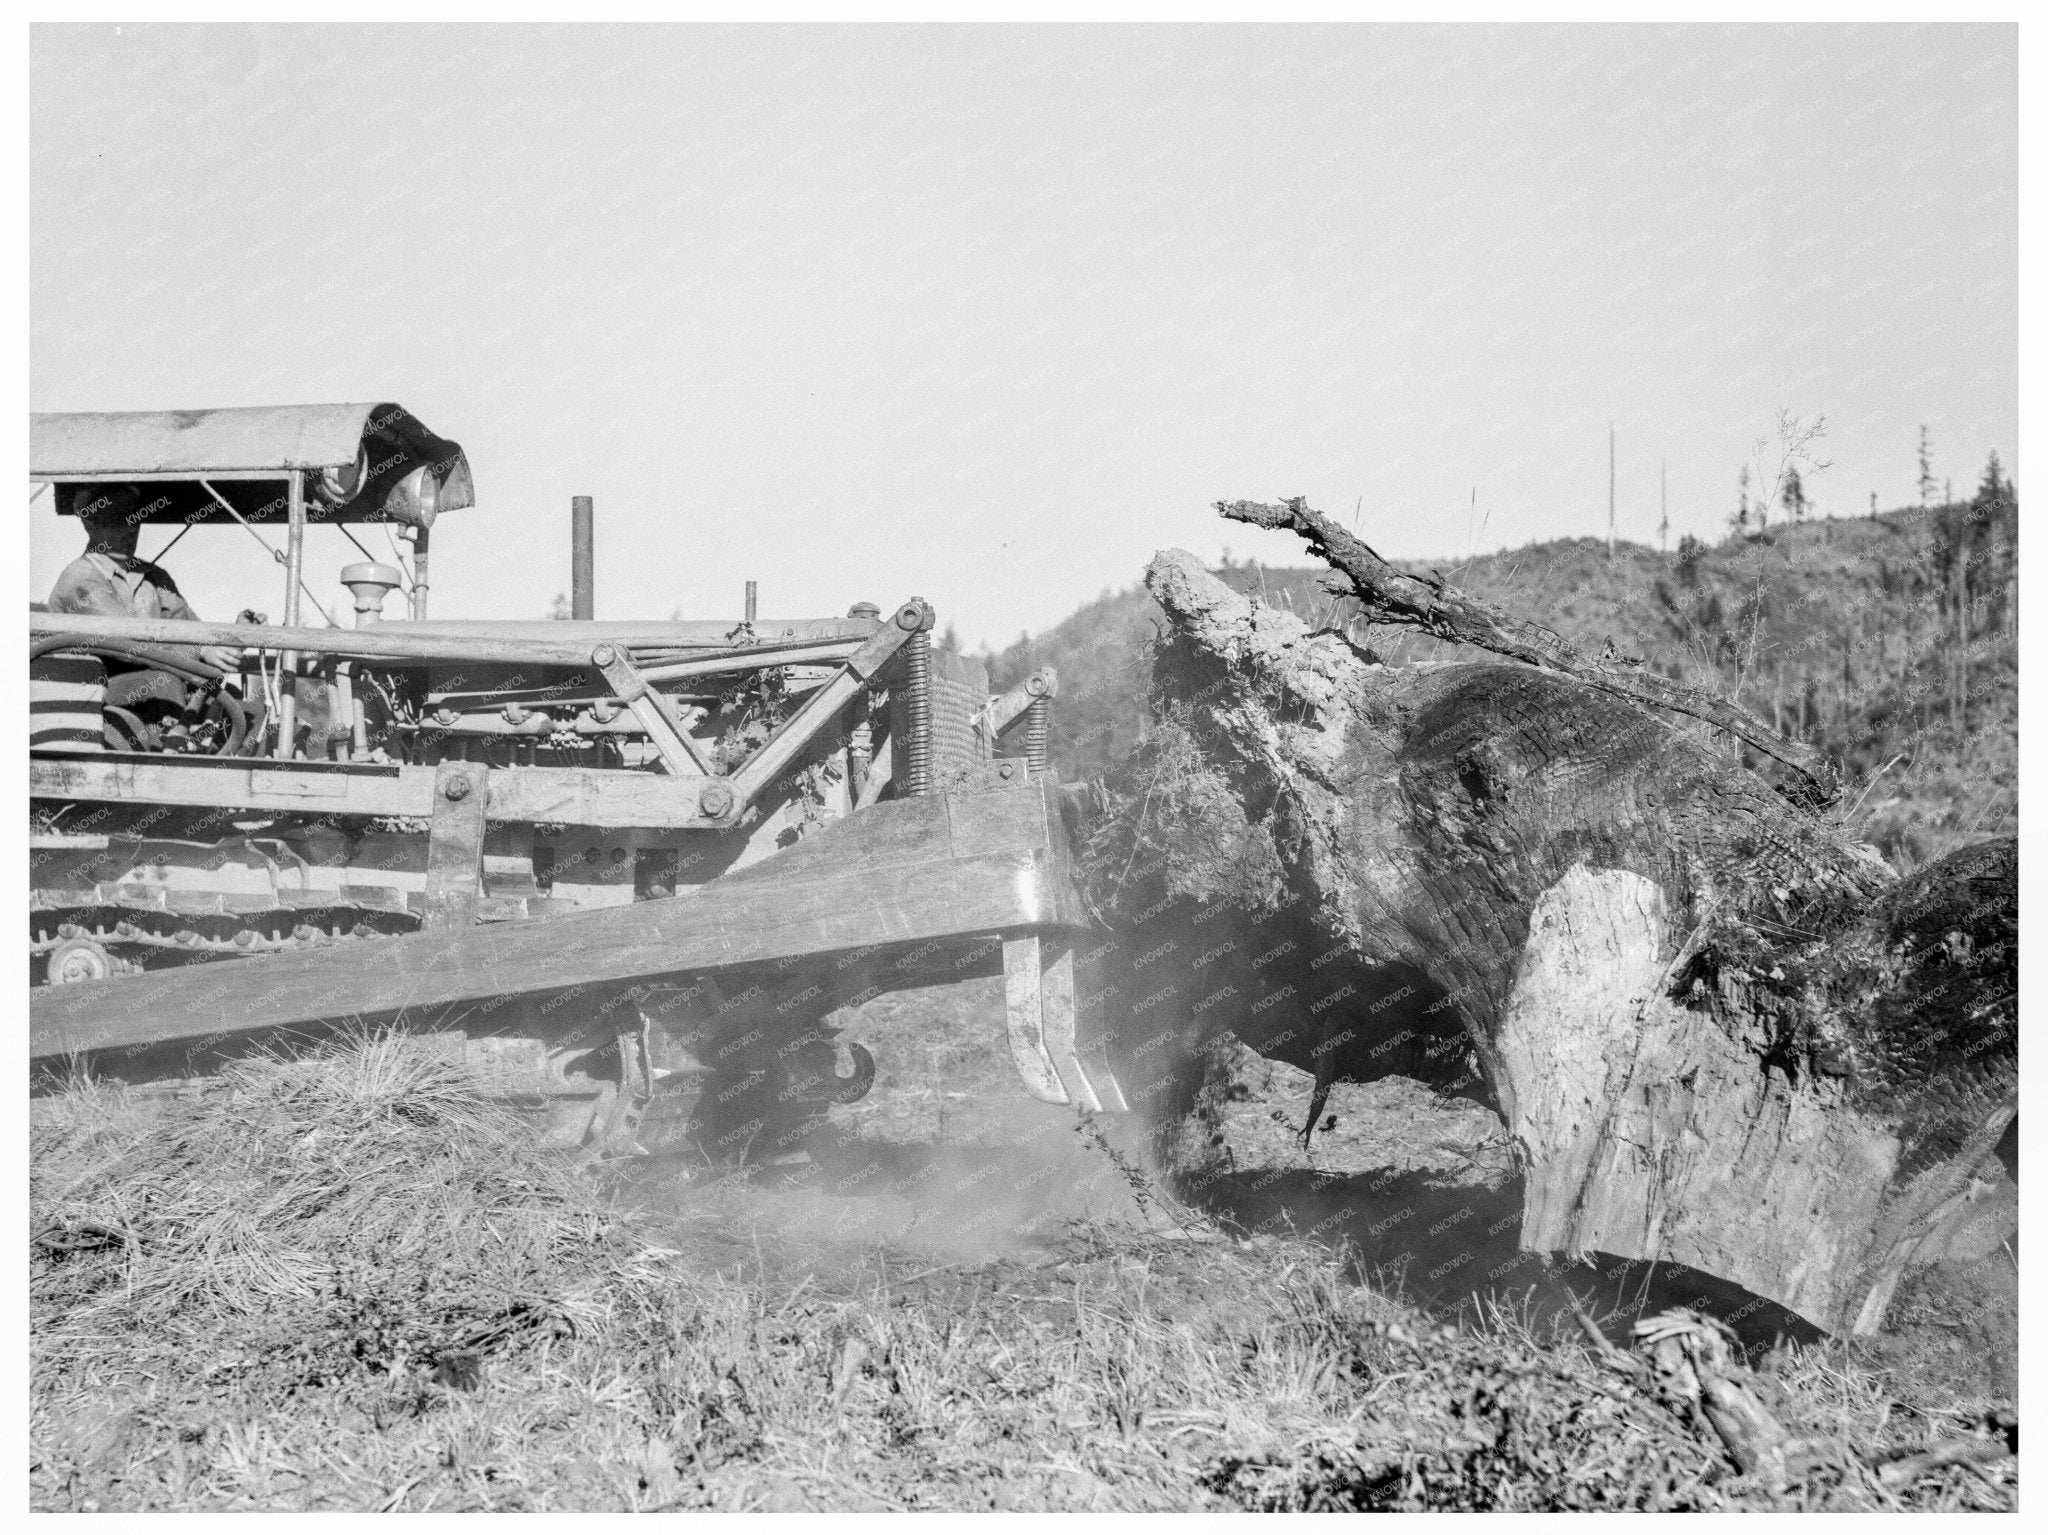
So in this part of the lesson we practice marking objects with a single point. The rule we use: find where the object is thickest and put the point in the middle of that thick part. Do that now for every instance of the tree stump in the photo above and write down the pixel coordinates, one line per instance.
(1718, 1032)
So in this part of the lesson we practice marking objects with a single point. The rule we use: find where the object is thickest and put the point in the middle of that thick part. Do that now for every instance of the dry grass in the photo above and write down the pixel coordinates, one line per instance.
(353, 1283)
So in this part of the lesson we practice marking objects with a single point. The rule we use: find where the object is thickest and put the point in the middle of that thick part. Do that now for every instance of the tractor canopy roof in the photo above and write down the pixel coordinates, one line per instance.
(361, 463)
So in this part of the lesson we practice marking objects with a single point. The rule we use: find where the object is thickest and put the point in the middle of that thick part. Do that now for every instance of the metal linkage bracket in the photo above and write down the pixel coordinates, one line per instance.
(767, 764)
(1024, 1019)
(1033, 696)
(1038, 993)
(455, 844)
(656, 713)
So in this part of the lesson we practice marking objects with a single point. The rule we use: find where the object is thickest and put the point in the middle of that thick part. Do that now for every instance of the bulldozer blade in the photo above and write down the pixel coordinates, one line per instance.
(908, 887)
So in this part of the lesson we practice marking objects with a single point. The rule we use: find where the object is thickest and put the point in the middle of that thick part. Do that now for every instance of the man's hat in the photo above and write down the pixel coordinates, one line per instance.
(105, 503)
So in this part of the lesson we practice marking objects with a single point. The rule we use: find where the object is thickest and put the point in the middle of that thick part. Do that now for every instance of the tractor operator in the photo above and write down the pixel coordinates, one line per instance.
(108, 578)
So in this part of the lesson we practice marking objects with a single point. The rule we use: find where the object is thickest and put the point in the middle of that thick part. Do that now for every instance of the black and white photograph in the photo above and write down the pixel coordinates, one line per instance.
(944, 763)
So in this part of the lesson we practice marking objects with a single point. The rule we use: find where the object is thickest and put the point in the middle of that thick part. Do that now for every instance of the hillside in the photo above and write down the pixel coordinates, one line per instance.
(1843, 633)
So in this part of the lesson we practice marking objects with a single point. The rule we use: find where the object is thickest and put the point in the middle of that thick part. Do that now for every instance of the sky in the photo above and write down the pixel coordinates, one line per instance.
(988, 315)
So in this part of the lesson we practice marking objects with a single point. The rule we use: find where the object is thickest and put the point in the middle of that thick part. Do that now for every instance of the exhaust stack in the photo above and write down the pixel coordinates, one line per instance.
(583, 559)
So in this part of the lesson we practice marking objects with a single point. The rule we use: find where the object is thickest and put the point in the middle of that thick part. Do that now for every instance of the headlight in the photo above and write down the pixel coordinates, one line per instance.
(415, 498)
(336, 487)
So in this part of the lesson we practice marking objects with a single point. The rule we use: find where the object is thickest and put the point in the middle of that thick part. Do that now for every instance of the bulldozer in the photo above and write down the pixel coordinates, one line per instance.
(642, 875)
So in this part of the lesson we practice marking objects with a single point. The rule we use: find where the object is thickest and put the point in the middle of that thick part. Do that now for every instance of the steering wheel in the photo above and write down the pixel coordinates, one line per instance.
(127, 731)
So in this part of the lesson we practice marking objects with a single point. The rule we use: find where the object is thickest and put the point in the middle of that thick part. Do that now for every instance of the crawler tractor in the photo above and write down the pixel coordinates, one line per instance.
(639, 873)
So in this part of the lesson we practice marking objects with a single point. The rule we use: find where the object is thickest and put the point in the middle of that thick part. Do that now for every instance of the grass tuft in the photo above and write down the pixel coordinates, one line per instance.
(351, 1281)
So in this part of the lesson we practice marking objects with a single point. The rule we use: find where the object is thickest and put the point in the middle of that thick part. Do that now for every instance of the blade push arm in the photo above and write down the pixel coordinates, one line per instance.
(782, 748)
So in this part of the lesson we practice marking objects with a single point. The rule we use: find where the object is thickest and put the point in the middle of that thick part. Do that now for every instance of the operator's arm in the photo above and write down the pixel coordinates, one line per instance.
(171, 603)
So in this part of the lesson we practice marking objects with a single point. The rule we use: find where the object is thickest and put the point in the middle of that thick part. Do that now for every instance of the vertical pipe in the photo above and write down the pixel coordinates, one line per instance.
(860, 756)
(583, 558)
(369, 598)
(753, 593)
(358, 727)
(419, 573)
(294, 575)
(917, 713)
(295, 545)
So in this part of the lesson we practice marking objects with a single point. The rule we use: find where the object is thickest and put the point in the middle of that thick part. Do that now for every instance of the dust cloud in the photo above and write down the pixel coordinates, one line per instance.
(1014, 1180)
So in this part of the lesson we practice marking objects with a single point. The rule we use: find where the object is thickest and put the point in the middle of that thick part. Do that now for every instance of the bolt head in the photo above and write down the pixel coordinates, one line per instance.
(715, 799)
(911, 616)
(604, 655)
(457, 787)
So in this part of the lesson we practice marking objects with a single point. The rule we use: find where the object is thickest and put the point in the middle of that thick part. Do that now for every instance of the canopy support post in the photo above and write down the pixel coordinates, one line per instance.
(419, 572)
(294, 564)
(295, 544)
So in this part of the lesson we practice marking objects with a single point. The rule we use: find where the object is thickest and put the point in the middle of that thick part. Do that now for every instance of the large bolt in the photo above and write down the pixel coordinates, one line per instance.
(715, 799)
(457, 787)
(604, 655)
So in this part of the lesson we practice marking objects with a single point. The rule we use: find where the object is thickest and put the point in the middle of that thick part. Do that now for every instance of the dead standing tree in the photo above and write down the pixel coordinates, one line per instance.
(1718, 1033)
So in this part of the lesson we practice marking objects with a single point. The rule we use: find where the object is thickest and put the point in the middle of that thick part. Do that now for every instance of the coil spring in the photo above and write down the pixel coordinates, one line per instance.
(1037, 720)
(917, 710)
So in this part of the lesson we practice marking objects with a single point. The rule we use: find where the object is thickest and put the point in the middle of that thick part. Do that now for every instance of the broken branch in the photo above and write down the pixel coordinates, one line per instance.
(1439, 609)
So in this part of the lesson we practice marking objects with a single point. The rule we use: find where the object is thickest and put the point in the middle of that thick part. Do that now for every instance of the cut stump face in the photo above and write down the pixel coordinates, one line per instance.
(1718, 1033)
